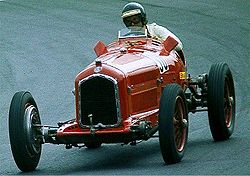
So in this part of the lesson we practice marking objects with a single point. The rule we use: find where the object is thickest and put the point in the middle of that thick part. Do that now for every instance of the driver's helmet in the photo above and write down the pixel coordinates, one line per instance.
(133, 13)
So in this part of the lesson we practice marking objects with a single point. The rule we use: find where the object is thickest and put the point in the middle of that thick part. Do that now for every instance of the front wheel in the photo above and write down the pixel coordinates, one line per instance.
(221, 101)
(25, 139)
(173, 124)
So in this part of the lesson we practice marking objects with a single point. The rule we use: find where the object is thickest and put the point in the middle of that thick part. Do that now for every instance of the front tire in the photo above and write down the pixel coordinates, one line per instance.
(173, 124)
(26, 144)
(221, 101)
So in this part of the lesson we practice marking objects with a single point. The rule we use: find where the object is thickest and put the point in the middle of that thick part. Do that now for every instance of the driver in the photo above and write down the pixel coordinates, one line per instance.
(133, 14)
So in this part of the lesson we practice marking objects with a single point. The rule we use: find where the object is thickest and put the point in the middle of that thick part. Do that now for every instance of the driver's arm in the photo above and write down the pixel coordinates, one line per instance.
(160, 32)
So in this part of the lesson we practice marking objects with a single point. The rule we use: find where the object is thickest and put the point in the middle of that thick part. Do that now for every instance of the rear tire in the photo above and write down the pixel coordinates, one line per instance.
(26, 144)
(221, 101)
(173, 124)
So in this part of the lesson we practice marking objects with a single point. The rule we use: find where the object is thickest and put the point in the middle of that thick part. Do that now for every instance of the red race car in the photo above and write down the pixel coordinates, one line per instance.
(136, 87)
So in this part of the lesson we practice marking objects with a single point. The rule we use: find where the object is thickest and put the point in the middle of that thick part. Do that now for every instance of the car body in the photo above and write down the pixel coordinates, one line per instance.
(128, 81)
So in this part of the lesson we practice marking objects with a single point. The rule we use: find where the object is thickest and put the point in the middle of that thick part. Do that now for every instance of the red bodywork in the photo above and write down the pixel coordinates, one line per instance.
(142, 67)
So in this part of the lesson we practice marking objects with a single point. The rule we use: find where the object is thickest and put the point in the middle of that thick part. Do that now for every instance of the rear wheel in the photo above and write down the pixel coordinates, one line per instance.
(221, 101)
(173, 124)
(25, 139)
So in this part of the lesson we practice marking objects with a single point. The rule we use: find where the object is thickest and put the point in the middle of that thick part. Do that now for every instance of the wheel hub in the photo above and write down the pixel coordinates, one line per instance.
(33, 138)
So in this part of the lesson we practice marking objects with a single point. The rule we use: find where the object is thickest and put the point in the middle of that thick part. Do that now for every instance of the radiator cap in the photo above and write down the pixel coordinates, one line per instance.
(98, 64)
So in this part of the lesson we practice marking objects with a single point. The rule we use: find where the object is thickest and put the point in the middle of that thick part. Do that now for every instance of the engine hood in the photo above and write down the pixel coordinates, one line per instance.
(138, 60)
(120, 64)
(128, 63)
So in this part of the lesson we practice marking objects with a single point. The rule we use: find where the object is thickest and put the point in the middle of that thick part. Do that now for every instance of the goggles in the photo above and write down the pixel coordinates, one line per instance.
(132, 20)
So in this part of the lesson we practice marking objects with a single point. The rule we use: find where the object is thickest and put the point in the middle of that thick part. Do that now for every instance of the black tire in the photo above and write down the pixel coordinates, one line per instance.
(26, 144)
(221, 101)
(92, 145)
(173, 124)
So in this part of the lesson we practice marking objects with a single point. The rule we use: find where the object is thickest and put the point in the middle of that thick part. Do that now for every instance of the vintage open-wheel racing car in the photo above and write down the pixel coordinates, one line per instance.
(136, 87)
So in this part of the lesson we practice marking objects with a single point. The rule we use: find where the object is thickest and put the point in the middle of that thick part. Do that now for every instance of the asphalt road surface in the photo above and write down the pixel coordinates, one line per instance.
(44, 44)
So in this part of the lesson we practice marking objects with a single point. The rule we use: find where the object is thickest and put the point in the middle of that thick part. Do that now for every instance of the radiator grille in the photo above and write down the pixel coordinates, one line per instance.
(99, 97)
